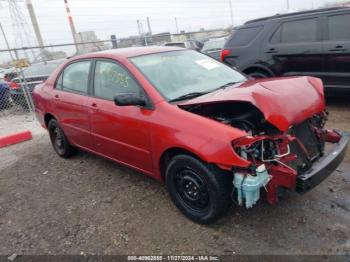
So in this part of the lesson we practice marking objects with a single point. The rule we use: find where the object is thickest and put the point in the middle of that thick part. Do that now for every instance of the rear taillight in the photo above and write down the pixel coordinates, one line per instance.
(224, 53)
(14, 85)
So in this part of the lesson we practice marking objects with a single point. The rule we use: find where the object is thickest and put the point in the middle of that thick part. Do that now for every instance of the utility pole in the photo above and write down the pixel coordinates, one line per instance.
(287, 5)
(71, 24)
(231, 11)
(149, 26)
(141, 31)
(36, 27)
(177, 28)
(138, 27)
(34, 22)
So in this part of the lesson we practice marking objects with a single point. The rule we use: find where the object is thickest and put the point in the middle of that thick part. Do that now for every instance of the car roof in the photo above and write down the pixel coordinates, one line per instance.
(130, 51)
(301, 13)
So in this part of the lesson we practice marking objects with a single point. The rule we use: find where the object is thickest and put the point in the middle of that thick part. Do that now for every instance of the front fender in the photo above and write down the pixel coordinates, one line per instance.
(209, 140)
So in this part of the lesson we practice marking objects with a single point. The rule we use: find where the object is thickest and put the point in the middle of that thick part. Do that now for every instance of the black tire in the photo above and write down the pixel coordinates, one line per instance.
(259, 74)
(208, 197)
(59, 140)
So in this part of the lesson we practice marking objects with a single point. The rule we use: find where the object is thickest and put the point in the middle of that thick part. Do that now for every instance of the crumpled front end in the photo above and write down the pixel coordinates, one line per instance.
(284, 119)
(295, 160)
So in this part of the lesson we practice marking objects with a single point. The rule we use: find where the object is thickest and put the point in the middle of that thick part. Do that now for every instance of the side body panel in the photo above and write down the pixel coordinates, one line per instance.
(121, 133)
(294, 58)
(72, 112)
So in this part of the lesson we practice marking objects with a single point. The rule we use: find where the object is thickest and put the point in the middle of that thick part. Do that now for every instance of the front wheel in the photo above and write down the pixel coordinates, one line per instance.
(59, 140)
(199, 190)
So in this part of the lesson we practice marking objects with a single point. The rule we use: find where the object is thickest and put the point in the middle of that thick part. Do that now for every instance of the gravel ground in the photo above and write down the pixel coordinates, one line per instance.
(89, 204)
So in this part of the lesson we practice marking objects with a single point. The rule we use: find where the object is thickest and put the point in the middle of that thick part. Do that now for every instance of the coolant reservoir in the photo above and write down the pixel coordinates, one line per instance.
(248, 186)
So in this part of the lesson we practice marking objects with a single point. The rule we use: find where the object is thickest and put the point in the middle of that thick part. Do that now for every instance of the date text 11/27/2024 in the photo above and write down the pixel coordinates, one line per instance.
(173, 258)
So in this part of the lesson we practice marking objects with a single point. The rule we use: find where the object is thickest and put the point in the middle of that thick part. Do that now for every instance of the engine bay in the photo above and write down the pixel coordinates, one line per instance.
(241, 115)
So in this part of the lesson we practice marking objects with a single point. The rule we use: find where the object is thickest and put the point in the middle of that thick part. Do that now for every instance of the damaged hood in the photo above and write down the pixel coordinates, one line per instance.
(283, 101)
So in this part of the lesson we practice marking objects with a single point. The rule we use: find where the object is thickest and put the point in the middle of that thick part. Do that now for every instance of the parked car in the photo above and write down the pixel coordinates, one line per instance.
(9, 74)
(34, 75)
(189, 44)
(4, 95)
(313, 43)
(182, 117)
(213, 47)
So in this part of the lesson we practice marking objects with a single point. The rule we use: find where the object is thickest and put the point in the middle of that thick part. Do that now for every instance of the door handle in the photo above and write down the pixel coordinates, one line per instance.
(57, 96)
(94, 107)
(338, 48)
(271, 51)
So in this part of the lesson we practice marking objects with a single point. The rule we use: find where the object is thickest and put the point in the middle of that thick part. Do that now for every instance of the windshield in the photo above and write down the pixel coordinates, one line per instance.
(177, 73)
(41, 69)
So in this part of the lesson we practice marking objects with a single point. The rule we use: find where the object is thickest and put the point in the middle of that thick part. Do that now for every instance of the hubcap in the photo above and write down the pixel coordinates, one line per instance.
(192, 190)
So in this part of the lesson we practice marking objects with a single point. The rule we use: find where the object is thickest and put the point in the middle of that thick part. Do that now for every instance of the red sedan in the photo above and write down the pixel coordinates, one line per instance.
(214, 136)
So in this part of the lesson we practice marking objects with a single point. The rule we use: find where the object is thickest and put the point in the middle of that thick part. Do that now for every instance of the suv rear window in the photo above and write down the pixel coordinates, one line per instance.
(338, 27)
(243, 36)
(304, 30)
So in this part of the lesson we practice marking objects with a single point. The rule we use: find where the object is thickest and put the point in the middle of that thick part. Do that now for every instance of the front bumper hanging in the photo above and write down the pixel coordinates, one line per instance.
(324, 166)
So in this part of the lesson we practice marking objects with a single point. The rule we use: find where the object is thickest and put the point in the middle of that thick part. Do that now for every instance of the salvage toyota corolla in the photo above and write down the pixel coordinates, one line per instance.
(212, 135)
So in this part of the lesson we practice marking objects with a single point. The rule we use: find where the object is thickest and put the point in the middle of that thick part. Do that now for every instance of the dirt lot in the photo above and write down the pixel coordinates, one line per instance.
(88, 204)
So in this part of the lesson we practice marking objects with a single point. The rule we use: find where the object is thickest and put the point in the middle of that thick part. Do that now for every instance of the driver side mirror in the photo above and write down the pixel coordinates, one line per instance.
(129, 99)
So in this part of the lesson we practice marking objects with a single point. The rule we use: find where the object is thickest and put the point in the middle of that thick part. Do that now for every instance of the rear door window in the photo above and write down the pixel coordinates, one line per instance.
(297, 31)
(243, 36)
(76, 77)
(339, 27)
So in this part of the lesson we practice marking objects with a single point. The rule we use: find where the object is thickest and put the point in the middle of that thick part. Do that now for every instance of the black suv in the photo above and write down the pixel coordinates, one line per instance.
(315, 43)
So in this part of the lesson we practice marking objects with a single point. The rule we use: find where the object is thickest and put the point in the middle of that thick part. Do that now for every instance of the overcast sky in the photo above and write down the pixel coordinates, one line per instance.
(119, 17)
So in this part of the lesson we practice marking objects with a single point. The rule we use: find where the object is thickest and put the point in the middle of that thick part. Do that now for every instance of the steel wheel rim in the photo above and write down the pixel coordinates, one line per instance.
(57, 140)
(191, 190)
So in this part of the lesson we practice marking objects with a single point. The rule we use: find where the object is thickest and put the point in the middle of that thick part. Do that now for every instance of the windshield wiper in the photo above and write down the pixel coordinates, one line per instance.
(188, 96)
(226, 85)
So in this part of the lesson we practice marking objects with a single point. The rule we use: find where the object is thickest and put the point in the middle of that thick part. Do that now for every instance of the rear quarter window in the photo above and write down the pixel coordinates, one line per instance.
(338, 27)
(243, 36)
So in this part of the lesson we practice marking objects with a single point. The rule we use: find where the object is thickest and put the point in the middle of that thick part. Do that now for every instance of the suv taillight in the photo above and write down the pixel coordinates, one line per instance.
(224, 53)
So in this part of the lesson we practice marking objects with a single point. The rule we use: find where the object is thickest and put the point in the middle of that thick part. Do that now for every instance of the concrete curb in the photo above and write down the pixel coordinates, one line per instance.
(15, 138)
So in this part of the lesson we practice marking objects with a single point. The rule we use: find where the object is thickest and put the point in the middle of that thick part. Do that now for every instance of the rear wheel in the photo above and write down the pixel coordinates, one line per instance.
(199, 190)
(59, 140)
